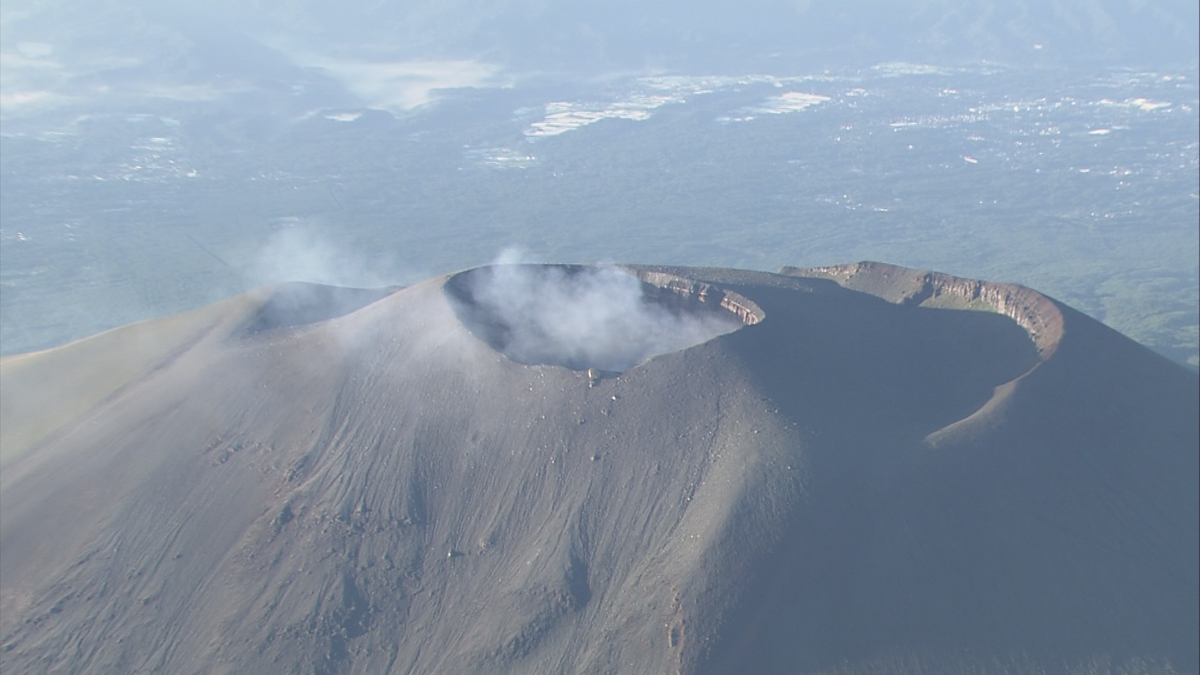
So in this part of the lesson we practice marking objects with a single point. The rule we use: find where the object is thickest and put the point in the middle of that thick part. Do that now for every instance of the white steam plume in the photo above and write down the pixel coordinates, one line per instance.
(592, 317)
(300, 254)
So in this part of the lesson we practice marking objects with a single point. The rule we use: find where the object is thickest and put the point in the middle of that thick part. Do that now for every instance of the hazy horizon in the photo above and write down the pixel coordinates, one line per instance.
(159, 157)
(489, 336)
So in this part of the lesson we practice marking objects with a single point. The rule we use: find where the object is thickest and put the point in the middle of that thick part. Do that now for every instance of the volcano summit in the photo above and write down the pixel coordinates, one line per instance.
(558, 469)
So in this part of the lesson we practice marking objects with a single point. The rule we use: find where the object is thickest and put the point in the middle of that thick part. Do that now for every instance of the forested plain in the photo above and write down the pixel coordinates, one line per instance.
(1083, 185)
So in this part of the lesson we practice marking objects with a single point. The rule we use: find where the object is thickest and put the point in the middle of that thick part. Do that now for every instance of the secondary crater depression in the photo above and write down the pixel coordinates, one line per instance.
(582, 317)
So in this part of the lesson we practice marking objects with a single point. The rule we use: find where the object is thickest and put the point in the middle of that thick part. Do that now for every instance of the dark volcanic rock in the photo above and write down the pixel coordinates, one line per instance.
(862, 478)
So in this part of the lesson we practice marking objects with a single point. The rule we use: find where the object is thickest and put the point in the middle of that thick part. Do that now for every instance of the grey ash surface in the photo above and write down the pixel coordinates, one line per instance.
(853, 484)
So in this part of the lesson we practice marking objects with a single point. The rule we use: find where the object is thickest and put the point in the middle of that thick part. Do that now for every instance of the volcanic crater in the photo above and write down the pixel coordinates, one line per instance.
(313, 480)
(603, 318)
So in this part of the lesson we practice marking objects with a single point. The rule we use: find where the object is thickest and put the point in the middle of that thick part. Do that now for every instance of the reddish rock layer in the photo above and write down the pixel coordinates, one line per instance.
(1036, 313)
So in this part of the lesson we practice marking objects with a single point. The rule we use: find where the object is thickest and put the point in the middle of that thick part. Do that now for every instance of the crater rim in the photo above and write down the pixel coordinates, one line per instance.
(683, 299)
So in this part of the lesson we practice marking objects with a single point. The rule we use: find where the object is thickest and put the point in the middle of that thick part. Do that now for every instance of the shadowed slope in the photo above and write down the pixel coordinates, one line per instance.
(1053, 529)
(836, 485)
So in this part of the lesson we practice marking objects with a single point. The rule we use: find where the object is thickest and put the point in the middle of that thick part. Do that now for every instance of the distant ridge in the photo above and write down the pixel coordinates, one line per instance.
(851, 477)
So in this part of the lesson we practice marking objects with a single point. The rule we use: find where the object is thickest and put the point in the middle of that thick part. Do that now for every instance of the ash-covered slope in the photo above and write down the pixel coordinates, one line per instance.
(855, 480)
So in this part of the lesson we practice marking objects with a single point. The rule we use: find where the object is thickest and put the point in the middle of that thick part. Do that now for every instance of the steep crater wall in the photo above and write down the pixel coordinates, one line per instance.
(592, 317)
(1036, 313)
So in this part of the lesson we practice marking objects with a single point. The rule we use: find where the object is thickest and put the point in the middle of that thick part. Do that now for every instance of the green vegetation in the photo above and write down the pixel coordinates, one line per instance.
(1076, 189)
